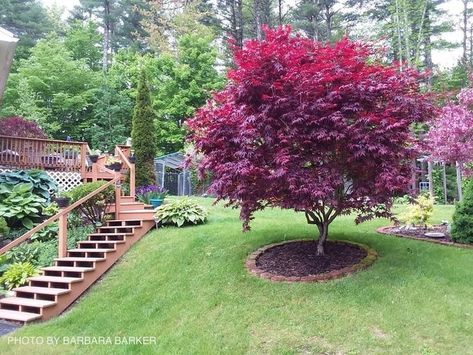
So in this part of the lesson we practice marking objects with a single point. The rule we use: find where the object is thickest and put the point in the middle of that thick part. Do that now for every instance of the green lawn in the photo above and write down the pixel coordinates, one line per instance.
(189, 288)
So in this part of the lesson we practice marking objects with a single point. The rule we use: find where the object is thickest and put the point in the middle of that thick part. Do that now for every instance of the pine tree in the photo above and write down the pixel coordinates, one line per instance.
(143, 134)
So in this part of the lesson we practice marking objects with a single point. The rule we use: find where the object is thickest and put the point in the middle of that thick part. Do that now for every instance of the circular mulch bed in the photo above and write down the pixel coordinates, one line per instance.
(419, 234)
(298, 261)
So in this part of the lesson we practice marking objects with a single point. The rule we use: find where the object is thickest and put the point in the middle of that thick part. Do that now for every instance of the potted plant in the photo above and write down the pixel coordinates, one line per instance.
(94, 155)
(113, 163)
(62, 200)
(151, 195)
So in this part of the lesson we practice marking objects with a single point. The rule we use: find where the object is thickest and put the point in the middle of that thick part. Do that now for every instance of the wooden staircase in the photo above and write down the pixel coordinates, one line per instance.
(60, 285)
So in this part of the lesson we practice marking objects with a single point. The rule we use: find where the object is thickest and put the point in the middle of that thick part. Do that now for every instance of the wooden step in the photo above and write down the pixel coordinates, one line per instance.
(106, 233)
(116, 230)
(87, 242)
(105, 238)
(67, 268)
(91, 250)
(77, 258)
(18, 316)
(120, 223)
(127, 199)
(146, 215)
(42, 290)
(55, 279)
(86, 264)
(29, 302)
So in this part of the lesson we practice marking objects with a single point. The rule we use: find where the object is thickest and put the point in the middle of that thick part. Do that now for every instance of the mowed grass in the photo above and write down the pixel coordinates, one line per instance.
(189, 288)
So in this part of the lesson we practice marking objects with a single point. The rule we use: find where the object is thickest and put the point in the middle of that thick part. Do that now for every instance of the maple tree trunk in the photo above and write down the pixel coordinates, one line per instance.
(323, 235)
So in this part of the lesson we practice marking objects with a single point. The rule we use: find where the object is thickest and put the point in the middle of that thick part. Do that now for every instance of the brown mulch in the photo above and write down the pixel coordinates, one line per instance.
(419, 232)
(300, 258)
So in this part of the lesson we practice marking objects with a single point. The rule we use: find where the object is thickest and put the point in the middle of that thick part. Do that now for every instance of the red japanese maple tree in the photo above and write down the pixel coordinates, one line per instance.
(314, 127)
(16, 126)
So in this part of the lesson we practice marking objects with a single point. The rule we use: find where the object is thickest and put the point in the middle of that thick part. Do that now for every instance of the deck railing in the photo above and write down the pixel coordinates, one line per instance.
(46, 154)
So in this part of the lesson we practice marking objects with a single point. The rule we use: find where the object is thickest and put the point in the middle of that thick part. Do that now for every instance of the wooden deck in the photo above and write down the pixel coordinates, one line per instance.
(63, 156)
(44, 154)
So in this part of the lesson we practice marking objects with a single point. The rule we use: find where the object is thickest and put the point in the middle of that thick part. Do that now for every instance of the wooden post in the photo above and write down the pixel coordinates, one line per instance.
(118, 194)
(132, 180)
(430, 178)
(94, 171)
(444, 178)
(459, 181)
(83, 152)
(62, 249)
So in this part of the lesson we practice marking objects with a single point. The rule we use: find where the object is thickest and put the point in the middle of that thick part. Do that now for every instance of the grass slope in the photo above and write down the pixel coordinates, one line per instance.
(189, 288)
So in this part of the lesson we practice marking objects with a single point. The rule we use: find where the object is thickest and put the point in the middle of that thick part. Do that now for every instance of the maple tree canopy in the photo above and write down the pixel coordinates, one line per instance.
(316, 127)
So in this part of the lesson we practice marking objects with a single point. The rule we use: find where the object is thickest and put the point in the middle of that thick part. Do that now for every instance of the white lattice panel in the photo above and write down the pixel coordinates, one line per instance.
(66, 180)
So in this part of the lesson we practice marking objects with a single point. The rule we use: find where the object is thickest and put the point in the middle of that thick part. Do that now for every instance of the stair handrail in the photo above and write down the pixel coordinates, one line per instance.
(131, 168)
(63, 212)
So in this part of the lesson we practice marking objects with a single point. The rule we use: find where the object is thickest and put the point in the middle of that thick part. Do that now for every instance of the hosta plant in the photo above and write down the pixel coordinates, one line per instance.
(17, 275)
(23, 253)
(42, 184)
(180, 213)
(19, 206)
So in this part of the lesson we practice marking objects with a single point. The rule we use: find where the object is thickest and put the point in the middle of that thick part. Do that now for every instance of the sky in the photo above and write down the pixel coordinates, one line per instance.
(442, 58)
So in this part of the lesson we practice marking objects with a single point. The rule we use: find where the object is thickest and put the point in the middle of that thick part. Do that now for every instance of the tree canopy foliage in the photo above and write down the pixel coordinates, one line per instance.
(313, 127)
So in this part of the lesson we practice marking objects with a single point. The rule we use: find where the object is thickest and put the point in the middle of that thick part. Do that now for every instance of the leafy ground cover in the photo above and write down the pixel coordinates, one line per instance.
(189, 288)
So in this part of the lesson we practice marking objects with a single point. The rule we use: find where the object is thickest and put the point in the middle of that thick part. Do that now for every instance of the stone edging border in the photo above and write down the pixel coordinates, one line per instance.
(369, 259)
(385, 230)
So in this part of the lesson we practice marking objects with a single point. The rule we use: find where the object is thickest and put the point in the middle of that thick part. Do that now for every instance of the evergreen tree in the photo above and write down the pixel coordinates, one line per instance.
(28, 20)
(143, 134)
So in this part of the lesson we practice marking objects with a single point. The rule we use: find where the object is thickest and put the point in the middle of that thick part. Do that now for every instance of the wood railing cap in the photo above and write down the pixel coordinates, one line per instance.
(43, 140)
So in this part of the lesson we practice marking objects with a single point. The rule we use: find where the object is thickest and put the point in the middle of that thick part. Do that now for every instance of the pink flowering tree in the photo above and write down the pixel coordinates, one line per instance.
(318, 128)
(450, 137)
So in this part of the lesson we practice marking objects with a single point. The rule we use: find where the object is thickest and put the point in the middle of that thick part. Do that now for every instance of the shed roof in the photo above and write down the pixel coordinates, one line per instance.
(173, 160)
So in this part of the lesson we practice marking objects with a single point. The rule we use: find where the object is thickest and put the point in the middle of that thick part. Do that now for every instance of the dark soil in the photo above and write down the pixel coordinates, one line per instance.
(419, 232)
(300, 258)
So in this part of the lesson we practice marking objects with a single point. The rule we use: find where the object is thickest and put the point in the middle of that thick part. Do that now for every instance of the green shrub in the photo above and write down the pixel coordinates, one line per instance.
(50, 210)
(17, 274)
(94, 209)
(181, 212)
(47, 252)
(42, 184)
(19, 206)
(402, 200)
(46, 234)
(420, 212)
(462, 228)
(4, 230)
(25, 252)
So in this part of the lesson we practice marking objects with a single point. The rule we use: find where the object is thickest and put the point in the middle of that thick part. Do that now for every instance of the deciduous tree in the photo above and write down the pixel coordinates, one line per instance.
(318, 128)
